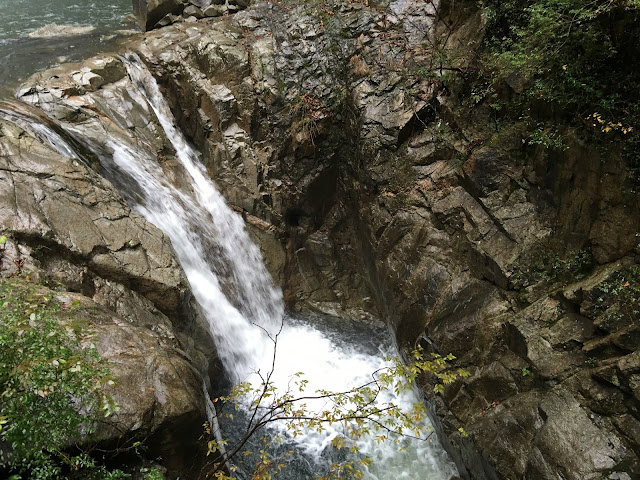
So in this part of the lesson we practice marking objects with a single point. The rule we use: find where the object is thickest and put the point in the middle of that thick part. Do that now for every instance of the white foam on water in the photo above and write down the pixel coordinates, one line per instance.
(187, 221)
(337, 367)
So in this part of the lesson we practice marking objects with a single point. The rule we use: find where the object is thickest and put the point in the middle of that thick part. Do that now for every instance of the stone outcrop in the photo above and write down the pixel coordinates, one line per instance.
(55, 30)
(152, 14)
(378, 193)
(70, 230)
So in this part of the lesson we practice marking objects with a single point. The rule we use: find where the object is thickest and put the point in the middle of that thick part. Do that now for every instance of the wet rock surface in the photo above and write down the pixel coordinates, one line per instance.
(69, 229)
(47, 196)
(375, 196)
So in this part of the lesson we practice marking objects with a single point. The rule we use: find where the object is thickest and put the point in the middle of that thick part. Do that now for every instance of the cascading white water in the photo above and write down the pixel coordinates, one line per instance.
(39, 131)
(199, 227)
(336, 357)
(230, 282)
(257, 298)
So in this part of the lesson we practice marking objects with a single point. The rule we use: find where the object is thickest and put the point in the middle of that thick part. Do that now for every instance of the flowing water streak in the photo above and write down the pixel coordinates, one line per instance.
(191, 225)
(42, 132)
(194, 225)
(257, 297)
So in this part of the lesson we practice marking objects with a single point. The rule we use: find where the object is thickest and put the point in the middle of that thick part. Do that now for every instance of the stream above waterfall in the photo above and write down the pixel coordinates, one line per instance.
(31, 37)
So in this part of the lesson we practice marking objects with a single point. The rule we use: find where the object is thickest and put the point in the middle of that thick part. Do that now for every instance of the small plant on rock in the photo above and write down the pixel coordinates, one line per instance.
(51, 387)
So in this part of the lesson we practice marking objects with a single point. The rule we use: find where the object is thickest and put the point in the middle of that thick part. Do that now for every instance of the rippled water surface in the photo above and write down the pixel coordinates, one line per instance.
(21, 55)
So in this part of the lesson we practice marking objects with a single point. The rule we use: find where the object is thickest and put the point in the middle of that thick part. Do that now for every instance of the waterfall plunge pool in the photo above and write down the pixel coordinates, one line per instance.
(336, 355)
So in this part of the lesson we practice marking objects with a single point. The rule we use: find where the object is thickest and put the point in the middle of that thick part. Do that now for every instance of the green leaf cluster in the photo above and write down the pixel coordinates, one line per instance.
(622, 289)
(571, 70)
(549, 266)
(51, 386)
(573, 52)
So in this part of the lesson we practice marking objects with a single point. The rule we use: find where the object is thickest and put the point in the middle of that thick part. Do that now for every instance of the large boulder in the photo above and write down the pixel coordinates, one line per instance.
(150, 12)
(49, 198)
(70, 231)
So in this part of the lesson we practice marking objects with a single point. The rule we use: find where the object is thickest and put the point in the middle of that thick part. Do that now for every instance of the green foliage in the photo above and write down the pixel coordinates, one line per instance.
(151, 474)
(551, 267)
(547, 139)
(591, 362)
(571, 52)
(571, 65)
(363, 411)
(50, 386)
(525, 372)
(622, 289)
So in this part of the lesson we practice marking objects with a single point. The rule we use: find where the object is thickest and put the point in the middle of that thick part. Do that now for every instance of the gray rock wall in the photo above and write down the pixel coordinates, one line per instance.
(69, 230)
(152, 14)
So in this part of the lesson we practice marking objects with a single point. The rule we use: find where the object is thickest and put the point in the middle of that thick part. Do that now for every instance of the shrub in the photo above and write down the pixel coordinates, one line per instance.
(571, 64)
(573, 52)
(51, 387)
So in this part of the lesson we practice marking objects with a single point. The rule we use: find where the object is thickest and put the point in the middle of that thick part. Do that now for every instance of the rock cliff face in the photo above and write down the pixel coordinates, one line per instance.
(376, 195)
(152, 14)
(70, 230)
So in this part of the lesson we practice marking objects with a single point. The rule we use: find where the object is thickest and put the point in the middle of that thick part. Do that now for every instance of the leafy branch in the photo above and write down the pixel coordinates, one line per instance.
(364, 411)
(52, 389)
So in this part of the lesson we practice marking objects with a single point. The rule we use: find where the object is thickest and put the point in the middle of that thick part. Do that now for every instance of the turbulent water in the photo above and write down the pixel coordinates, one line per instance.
(23, 50)
(243, 307)
(224, 267)
(337, 356)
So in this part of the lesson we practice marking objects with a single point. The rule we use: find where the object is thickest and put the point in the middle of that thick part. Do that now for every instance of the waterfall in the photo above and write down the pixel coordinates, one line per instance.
(24, 118)
(202, 231)
(243, 307)
(209, 239)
